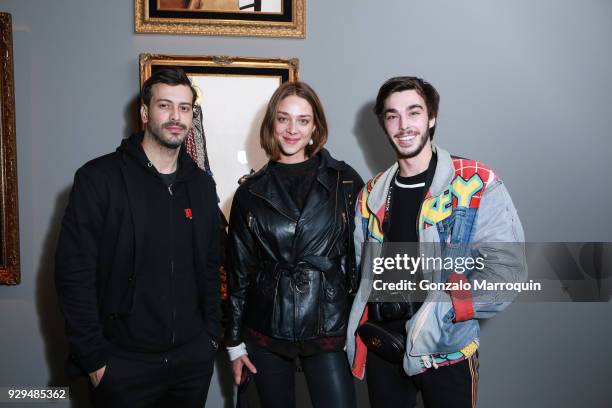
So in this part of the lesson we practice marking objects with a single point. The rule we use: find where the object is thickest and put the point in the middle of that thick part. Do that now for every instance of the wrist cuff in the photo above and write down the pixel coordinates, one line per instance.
(236, 351)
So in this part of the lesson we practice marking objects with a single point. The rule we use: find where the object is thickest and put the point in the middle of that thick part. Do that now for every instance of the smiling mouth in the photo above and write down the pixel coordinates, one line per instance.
(291, 140)
(405, 139)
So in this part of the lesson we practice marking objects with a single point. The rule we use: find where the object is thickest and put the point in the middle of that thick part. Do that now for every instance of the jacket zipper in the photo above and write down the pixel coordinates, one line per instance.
(322, 293)
(172, 283)
(335, 218)
(173, 304)
(418, 325)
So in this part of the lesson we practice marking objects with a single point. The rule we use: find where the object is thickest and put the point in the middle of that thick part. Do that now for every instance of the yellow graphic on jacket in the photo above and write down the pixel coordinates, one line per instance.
(460, 194)
(463, 190)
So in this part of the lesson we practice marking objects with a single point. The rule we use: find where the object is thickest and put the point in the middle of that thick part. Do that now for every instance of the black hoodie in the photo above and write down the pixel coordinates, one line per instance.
(166, 312)
(137, 263)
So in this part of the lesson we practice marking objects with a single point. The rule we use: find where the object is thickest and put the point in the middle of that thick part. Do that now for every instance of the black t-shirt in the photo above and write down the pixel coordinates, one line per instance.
(406, 199)
(406, 195)
(297, 178)
(168, 179)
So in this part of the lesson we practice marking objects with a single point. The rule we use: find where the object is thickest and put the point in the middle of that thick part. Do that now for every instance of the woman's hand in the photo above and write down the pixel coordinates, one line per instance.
(237, 367)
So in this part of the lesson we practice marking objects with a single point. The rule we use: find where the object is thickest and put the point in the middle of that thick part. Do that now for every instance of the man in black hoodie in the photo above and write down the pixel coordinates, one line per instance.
(137, 263)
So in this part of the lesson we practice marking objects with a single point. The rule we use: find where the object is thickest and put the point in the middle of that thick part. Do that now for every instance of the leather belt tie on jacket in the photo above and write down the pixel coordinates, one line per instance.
(296, 271)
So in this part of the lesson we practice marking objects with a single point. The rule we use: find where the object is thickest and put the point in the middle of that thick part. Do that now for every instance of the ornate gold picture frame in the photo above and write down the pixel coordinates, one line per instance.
(9, 205)
(259, 18)
(233, 93)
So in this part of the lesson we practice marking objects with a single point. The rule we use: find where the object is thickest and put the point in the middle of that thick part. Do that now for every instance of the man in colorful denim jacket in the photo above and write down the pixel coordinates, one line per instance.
(459, 207)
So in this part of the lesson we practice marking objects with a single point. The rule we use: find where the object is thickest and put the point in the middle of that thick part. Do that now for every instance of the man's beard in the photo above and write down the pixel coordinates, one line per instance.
(157, 132)
(411, 153)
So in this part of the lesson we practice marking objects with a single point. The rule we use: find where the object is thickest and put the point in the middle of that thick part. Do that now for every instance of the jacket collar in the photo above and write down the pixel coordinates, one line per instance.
(328, 170)
(445, 170)
(268, 187)
(442, 177)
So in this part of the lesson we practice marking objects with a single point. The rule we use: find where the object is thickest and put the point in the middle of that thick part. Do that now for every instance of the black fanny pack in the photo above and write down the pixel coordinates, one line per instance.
(387, 344)
(389, 311)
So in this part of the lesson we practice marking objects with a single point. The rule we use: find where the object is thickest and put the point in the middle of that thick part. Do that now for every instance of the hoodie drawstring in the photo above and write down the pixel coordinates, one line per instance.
(429, 361)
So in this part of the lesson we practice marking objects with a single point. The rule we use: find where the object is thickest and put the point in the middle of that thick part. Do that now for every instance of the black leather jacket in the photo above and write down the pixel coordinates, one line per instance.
(292, 275)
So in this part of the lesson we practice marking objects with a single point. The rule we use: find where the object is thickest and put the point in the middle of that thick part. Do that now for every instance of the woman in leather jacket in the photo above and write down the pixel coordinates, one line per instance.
(292, 271)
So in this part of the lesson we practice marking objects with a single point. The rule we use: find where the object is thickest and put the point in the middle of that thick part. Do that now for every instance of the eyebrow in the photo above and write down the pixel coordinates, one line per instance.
(168, 100)
(301, 116)
(393, 110)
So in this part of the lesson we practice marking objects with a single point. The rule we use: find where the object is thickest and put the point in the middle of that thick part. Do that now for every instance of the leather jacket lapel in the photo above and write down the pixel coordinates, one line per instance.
(321, 191)
(269, 188)
(324, 188)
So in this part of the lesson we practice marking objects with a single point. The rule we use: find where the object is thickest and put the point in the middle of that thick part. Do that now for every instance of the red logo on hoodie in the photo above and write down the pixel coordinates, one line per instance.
(188, 213)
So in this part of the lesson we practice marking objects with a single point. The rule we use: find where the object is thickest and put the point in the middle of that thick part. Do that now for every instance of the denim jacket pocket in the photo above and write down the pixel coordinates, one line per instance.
(456, 229)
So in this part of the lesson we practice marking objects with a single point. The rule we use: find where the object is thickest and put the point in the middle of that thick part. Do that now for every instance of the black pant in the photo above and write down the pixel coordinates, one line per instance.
(451, 386)
(328, 376)
(177, 378)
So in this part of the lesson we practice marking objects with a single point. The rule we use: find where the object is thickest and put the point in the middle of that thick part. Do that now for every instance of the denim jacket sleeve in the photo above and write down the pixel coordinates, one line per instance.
(499, 239)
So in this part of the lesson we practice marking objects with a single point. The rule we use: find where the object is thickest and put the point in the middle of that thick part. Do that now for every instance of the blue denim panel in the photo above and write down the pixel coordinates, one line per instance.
(456, 234)
(459, 226)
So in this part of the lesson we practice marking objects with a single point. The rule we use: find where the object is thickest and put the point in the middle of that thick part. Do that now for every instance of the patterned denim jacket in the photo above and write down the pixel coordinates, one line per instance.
(467, 209)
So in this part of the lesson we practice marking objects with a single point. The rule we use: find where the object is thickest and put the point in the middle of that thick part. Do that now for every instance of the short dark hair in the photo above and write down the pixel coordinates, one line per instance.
(168, 75)
(266, 132)
(406, 83)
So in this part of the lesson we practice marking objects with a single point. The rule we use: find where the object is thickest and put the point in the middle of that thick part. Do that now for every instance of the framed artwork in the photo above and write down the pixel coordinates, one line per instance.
(266, 18)
(9, 205)
(233, 93)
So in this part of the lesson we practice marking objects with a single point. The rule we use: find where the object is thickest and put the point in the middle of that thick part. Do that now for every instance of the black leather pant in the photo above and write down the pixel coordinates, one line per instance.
(330, 383)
